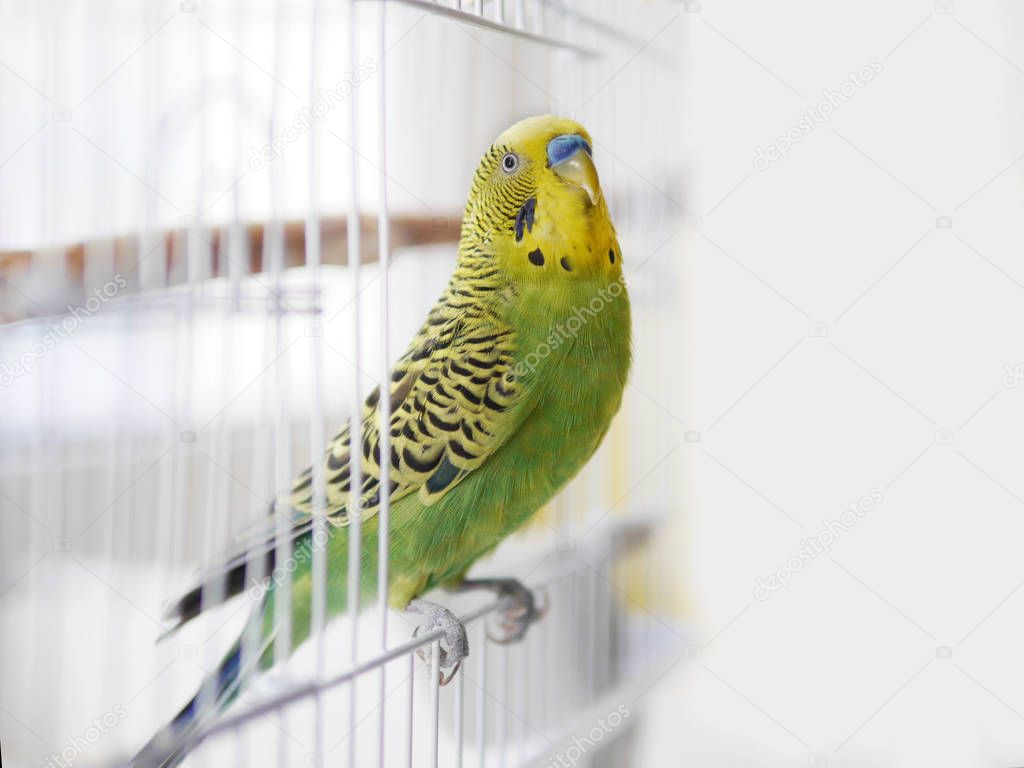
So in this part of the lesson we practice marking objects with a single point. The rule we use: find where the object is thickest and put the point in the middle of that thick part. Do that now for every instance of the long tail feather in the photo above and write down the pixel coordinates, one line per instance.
(170, 745)
(229, 578)
(229, 584)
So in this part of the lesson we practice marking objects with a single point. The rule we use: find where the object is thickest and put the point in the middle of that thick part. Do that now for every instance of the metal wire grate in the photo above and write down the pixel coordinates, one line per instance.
(194, 355)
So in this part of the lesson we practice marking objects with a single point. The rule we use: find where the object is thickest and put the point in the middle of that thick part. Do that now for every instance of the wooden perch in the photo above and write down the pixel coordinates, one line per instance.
(170, 248)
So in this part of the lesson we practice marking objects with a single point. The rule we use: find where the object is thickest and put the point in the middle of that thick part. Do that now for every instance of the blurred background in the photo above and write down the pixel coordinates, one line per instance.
(798, 545)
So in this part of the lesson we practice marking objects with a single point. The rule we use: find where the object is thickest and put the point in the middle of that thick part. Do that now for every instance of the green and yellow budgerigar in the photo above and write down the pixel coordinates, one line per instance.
(503, 395)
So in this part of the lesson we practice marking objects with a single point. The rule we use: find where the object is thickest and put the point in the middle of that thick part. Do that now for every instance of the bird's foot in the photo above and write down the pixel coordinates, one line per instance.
(454, 646)
(517, 610)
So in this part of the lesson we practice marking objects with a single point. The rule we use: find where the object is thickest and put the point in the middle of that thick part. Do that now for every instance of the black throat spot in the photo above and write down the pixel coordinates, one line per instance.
(524, 219)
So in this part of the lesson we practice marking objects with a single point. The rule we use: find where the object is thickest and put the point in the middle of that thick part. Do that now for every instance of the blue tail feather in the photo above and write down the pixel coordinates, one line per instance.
(171, 744)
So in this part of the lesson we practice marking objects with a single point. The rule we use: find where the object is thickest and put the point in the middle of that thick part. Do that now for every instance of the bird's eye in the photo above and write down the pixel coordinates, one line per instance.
(510, 162)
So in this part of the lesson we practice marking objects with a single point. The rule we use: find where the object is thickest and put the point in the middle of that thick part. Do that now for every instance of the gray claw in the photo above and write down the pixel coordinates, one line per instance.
(517, 611)
(454, 646)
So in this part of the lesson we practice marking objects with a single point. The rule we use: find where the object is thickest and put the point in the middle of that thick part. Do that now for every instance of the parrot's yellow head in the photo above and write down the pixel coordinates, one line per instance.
(536, 205)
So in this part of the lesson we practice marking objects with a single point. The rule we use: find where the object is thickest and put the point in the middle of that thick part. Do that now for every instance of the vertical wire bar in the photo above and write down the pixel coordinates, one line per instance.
(525, 690)
(520, 14)
(640, 619)
(458, 715)
(633, 640)
(200, 270)
(318, 613)
(554, 670)
(36, 661)
(151, 265)
(45, 465)
(515, 692)
(282, 752)
(282, 431)
(573, 631)
(120, 545)
(54, 439)
(274, 250)
(238, 255)
(602, 641)
(562, 638)
(241, 751)
(502, 712)
(600, 621)
(616, 450)
(652, 622)
(58, 492)
(221, 449)
(481, 698)
(151, 272)
(146, 242)
(384, 428)
(625, 628)
(542, 666)
(435, 699)
(186, 511)
(409, 710)
(355, 430)
(591, 633)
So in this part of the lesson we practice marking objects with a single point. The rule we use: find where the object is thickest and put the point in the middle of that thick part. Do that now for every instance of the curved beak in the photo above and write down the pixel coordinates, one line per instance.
(569, 157)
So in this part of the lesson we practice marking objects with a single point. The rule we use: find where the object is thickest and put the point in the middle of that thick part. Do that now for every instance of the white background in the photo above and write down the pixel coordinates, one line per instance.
(917, 324)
